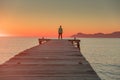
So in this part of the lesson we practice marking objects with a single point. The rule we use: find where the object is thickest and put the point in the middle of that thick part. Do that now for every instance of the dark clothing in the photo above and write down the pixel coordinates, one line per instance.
(60, 31)
(60, 36)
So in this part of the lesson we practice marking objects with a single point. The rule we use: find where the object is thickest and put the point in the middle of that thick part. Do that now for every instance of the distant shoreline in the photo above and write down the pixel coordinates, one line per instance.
(98, 35)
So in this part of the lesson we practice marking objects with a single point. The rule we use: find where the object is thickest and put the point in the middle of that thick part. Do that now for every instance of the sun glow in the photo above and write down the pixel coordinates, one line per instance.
(3, 35)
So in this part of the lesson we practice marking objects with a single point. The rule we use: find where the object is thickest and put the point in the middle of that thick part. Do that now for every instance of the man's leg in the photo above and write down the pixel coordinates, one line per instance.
(58, 36)
(61, 35)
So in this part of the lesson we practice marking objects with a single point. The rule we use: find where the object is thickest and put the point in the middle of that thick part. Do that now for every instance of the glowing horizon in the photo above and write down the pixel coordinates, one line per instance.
(43, 17)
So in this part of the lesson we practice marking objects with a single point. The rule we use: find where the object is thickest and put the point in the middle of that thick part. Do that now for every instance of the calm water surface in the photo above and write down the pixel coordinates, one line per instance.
(104, 56)
(102, 53)
(12, 46)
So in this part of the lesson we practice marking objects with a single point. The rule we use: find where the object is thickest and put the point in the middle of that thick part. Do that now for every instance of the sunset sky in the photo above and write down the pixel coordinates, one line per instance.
(43, 17)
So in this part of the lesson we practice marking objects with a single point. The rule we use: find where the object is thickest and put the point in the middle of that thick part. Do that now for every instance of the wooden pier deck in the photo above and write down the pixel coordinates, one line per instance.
(53, 60)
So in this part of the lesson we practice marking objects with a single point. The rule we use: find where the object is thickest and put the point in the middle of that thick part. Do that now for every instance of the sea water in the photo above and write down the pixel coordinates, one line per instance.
(9, 47)
(102, 53)
(104, 56)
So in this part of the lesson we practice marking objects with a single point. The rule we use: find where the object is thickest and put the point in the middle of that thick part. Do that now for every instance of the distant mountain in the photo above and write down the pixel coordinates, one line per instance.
(98, 35)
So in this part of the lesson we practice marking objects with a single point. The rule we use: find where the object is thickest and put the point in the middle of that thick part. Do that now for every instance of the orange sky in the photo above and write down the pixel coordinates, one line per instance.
(43, 17)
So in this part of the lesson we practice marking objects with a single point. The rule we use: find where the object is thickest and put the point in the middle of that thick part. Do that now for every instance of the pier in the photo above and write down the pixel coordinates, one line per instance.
(51, 60)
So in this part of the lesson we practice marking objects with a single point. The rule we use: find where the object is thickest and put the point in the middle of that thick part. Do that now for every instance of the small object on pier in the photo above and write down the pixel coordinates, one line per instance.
(75, 41)
(43, 40)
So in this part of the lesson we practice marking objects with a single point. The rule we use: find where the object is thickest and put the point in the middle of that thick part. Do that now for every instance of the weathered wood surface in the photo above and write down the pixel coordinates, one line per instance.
(54, 60)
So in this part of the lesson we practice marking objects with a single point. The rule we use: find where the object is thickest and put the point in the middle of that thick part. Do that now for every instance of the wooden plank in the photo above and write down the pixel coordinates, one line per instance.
(54, 60)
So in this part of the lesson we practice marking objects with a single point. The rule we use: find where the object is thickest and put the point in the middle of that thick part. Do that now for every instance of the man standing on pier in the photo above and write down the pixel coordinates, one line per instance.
(60, 32)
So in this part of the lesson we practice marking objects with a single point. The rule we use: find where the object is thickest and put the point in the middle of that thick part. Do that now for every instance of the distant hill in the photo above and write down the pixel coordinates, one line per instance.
(98, 35)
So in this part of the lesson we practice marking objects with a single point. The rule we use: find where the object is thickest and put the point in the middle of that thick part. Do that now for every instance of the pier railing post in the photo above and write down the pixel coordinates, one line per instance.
(75, 42)
(78, 44)
(41, 41)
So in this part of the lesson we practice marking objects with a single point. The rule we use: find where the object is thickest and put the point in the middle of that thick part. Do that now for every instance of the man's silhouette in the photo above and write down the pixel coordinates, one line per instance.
(60, 32)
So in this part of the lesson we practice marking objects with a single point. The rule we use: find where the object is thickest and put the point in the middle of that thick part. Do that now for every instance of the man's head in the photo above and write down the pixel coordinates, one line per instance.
(60, 26)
